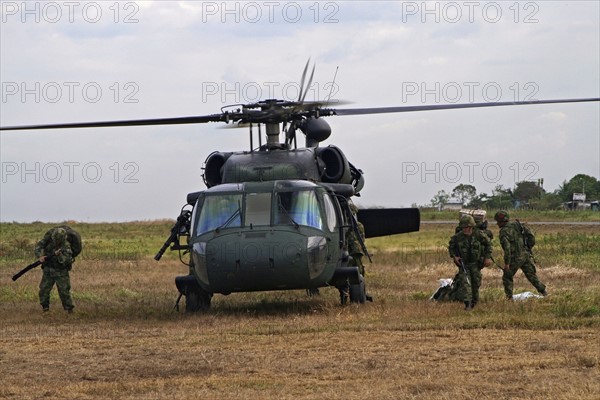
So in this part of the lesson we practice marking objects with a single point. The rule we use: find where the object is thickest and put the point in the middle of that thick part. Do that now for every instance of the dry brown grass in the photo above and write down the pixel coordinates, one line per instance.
(124, 341)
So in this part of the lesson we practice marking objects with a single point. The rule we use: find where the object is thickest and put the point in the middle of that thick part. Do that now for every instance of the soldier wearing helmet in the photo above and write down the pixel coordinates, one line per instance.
(516, 254)
(470, 249)
(481, 222)
(55, 252)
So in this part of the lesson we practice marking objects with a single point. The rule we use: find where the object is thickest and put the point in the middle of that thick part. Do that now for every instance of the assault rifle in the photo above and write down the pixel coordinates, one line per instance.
(30, 267)
(462, 264)
(496, 264)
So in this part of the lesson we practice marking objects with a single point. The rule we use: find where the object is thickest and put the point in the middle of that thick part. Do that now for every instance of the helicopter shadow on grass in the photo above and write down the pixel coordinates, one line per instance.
(269, 304)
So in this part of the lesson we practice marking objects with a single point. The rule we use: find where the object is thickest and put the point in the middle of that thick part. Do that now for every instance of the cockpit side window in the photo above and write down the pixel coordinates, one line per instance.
(330, 213)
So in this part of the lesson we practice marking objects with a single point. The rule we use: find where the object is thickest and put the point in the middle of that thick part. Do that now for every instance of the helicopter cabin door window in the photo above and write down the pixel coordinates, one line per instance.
(258, 209)
(301, 208)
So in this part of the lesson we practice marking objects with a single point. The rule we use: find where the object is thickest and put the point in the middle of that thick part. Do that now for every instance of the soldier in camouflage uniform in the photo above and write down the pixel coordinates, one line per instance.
(516, 255)
(354, 248)
(55, 252)
(456, 291)
(474, 250)
(481, 223)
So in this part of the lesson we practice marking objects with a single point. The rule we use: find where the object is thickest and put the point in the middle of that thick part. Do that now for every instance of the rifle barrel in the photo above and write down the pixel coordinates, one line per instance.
(25, 270)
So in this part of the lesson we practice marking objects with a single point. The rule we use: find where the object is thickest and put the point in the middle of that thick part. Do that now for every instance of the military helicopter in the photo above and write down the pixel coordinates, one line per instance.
(278, 216)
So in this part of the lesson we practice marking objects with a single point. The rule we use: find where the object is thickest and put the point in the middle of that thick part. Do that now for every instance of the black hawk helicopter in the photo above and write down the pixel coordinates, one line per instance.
(279, 216)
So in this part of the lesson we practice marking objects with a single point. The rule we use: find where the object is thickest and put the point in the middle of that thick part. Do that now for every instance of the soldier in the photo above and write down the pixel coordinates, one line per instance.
(470, 250)
(481, 222)
(354, 248)
(56, 268)
(456, 292)
(516, 255)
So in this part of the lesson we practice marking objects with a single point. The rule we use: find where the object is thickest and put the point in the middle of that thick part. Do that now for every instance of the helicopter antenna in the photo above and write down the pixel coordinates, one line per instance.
(332, 85)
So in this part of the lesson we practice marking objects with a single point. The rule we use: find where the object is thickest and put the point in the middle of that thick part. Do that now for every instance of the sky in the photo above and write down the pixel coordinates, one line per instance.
(94, 61)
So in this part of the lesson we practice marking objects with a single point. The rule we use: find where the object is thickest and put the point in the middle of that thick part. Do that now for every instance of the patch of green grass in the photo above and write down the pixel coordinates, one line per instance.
(527, 215)
(14, 294)
(575, 305)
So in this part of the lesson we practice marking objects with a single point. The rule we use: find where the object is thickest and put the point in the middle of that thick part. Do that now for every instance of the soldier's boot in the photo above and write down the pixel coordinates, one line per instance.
(45, 307)
(473, 303)
(468, 306)
(544, 293)
(368, 297)
(344, 294)
(69, 310)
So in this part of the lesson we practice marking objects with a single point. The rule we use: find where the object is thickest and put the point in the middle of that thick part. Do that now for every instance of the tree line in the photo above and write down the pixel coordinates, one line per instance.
(525, 194)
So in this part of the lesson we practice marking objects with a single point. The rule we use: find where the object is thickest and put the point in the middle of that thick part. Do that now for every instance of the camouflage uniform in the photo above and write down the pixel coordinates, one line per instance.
(55, 269)
(473, 250)
(516, 255)
(354, 248)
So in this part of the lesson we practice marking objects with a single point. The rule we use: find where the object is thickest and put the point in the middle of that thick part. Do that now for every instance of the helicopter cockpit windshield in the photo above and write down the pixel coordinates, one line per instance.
(219, 211)
(297, 206)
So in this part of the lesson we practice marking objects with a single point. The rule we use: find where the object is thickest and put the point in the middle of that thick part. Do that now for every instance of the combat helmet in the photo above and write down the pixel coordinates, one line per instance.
(466, 221)
(501, 216)
(59, 235)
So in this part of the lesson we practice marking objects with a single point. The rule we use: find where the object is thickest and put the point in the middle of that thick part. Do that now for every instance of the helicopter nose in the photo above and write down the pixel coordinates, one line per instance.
(257, 260)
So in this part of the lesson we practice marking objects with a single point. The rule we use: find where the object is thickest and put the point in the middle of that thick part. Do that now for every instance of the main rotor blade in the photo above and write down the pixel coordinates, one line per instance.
(384, 110)
(302, 80)
(309, 83)
(133, 122)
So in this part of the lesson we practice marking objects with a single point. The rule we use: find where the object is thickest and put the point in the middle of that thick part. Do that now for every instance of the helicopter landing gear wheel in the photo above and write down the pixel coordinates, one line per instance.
(197, 299)
(358, 293)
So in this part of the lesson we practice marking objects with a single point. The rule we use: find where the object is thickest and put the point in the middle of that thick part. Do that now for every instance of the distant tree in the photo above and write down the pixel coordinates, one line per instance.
(549, 201)
(528, 190)
(501, 198)
(464, 193)
(580, 183)
(440, 199)
(479, 201)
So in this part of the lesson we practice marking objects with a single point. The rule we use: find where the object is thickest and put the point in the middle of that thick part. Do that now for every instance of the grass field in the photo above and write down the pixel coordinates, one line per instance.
(126, 341)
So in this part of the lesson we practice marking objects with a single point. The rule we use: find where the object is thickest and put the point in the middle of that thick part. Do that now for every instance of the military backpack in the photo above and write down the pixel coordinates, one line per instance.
(74, 239)
(528, 236)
